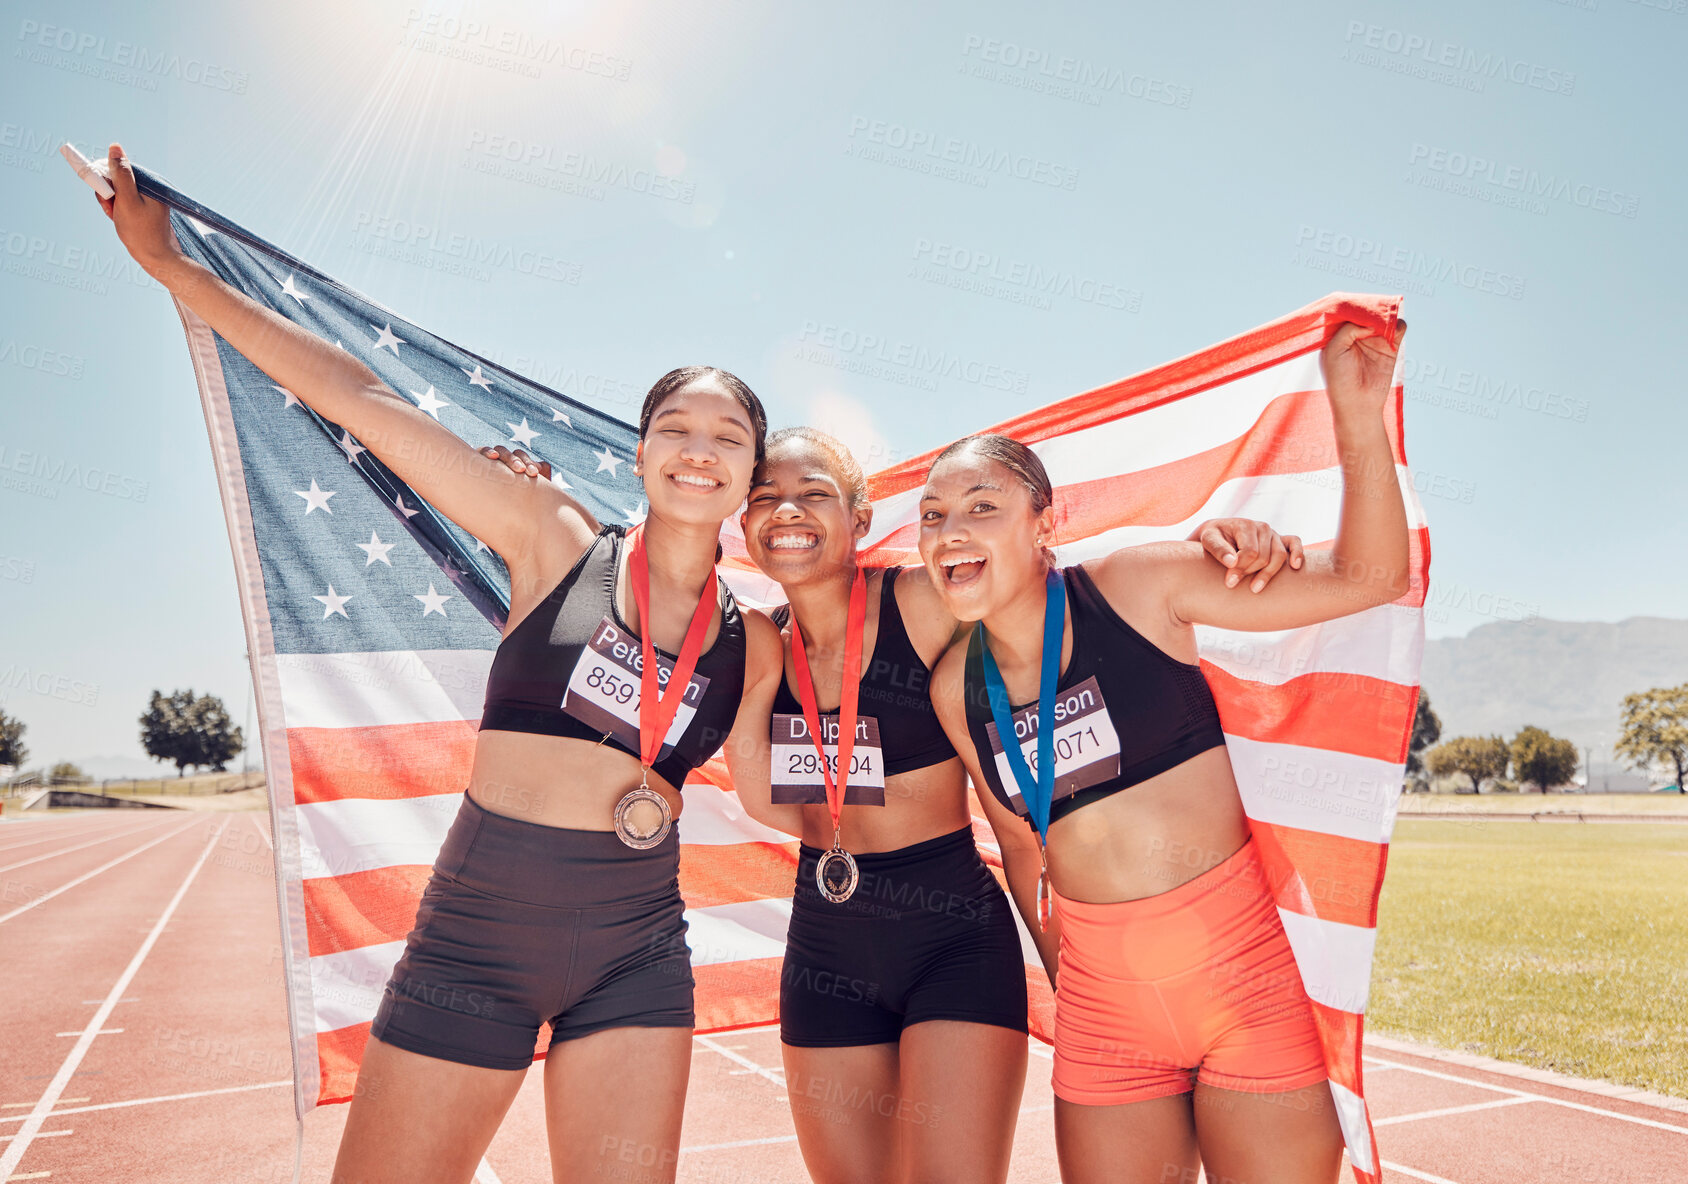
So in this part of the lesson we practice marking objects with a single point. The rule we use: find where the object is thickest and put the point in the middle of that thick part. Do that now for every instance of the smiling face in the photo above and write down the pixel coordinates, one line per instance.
(697, 455)
(979, 536)
(799, 524)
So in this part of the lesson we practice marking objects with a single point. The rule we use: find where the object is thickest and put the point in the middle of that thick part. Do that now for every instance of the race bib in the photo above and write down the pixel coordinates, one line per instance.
(1086, 745)
(603, 691)
(796, 773)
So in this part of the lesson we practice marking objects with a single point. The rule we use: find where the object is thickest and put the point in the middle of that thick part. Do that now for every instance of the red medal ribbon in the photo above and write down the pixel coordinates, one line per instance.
(849, 689)
(656, 710)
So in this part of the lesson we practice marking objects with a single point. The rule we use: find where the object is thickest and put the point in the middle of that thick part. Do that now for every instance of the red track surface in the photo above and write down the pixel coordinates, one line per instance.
(186, 1079)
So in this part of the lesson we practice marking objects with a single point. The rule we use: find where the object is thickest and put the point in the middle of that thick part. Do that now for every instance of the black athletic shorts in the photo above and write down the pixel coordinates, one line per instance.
(523, 924)
(927, 935)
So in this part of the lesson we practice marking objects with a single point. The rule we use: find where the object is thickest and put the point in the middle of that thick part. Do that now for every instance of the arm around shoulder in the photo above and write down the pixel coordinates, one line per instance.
(747, 750)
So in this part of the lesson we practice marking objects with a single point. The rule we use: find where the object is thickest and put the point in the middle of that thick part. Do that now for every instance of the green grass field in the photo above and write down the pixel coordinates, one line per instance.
(1558, 945)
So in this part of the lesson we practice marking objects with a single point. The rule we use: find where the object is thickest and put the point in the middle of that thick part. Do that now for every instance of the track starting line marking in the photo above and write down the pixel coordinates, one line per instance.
(31, 1105)
(1445, 1111)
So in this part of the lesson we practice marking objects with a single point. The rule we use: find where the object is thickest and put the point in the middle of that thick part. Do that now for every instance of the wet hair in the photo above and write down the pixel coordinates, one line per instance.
(735, 386)
(1019, 460)
(1012, 455)
(844, 465)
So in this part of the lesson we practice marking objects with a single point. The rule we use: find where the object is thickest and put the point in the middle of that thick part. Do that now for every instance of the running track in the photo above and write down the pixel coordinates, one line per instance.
(143, 1039)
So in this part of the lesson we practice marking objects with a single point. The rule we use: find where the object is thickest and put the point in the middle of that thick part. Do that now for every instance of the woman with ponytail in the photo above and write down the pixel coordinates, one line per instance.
(1182, 1032)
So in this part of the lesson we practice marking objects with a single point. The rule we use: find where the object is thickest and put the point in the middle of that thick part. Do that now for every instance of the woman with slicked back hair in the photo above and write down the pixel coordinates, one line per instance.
(554, 900)
(1183, 1035)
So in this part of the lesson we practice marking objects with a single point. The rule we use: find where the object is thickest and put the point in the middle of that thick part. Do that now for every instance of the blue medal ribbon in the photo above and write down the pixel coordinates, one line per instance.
(1038, 791)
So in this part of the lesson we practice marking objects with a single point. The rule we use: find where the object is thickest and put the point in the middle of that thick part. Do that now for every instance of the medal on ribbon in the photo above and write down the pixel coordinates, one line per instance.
(642, 816)
(836, 874)
(1038, 790)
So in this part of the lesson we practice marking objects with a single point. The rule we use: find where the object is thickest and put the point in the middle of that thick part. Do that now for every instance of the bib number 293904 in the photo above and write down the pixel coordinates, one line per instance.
(603, 691)
(795, 770)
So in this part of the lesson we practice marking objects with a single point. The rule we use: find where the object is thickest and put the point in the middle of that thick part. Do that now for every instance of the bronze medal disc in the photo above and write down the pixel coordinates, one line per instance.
(836, 875)
(642, 818)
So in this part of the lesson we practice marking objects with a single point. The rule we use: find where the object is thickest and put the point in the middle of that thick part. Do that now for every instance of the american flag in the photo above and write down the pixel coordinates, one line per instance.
(372, 620)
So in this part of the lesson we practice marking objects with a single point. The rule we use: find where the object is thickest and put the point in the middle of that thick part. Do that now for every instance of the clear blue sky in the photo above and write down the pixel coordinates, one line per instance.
(1196, 169)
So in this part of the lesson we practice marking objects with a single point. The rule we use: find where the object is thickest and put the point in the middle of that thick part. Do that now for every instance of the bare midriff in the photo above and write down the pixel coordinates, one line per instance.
(556, 780)
(920, 804)
(1150, 837)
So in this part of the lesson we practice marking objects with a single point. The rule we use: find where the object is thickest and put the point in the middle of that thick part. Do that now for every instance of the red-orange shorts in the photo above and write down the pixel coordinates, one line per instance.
(1195, 984)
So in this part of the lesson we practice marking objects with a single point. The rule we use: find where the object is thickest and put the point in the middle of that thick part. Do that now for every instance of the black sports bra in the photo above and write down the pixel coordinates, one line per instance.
(571, 668)
(1125, 709)
(895, 690)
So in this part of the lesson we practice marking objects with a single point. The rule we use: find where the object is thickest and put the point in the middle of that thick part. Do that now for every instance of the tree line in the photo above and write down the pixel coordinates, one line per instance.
(181, 728)
(1654, 737)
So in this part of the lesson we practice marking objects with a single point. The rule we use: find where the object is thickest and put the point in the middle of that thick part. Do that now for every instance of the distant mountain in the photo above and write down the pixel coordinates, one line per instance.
(1569, 677)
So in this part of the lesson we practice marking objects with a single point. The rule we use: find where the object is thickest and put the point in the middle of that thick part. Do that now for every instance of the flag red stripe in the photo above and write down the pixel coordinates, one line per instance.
(339, 1052)
(737, 994)
(1348, 872)
(360, 909)
(1340, 1033)
(728, 873)
(384, 762)
(1300, 711)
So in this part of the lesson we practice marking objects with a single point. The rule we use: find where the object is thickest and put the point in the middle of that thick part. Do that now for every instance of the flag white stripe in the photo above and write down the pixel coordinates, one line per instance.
(1334, 959)
(1356, 1129)
(351, 835)
(737, 932)
(375, 689)
(1315, 789)
(346, 986)
(1385, 642)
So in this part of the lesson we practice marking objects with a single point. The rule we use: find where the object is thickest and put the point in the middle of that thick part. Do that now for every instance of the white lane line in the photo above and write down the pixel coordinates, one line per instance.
(60, 834)
(42, 1135)
(73, 1059)
(30, 1105)
(101, 1032)
(1415, 1173)
(203, 1093)
(86, 876)
(1501, 1089)
(485, 1175)
(91, 843)
(29, 1176)
(774, 1075)
(1496, 1104)
(741, 1143)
